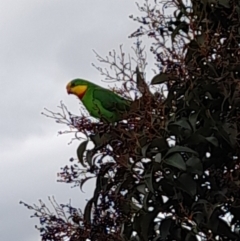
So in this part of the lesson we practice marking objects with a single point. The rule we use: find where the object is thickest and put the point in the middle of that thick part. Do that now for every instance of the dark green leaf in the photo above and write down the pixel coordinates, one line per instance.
(200, 202)
(148, 178)
(147, 223)
(182, 123)
(224, 229)
(193, 120)
(209, 95)
(195, 138)
(145, 201)
(137, 223)
(213, 140)
(180, 149)
(191, 237)
(80, 151)
(126, 231)
(142, 141)
(165, 228)
(182, 26)
(214, 219)
(198, 217)
(88, 210)
(159, 143)
(125, 207)
(141, 188)
(83, 181)
(224, 134)
(192, 51)
(224, 3)
(158, 158)
(96, 140)
(144, 149)
(89, 157)
(187, 184)
(162, 78)
(177, 161)
(143, 222)
(194, 165)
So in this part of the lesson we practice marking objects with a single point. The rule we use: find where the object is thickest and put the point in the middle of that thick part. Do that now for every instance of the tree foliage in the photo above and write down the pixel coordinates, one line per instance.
(147, 189)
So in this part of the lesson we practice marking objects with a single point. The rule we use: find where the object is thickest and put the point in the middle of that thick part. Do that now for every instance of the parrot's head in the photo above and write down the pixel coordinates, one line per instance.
(77, 87)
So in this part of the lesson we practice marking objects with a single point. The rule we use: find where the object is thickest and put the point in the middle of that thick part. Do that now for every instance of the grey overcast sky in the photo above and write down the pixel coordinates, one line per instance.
(43, 45)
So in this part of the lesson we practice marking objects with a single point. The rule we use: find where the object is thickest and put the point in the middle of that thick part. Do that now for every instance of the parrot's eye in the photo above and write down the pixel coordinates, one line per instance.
(73, 85)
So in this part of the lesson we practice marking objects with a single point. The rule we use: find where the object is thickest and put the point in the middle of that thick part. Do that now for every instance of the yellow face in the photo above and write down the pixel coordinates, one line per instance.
(78, 90)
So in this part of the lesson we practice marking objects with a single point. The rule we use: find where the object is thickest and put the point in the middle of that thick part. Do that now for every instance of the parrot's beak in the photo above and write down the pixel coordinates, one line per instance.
(78, 90)
(68, 89)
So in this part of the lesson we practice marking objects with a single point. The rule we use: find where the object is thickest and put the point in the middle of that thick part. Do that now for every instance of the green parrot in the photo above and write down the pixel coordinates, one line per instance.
(101, 103)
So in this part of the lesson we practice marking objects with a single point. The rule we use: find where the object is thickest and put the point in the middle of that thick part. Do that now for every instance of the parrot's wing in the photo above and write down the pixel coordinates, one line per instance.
(110, 101)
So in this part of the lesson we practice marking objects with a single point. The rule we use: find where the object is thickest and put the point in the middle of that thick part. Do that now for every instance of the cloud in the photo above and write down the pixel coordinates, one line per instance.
(29, 174)
(43, 45)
